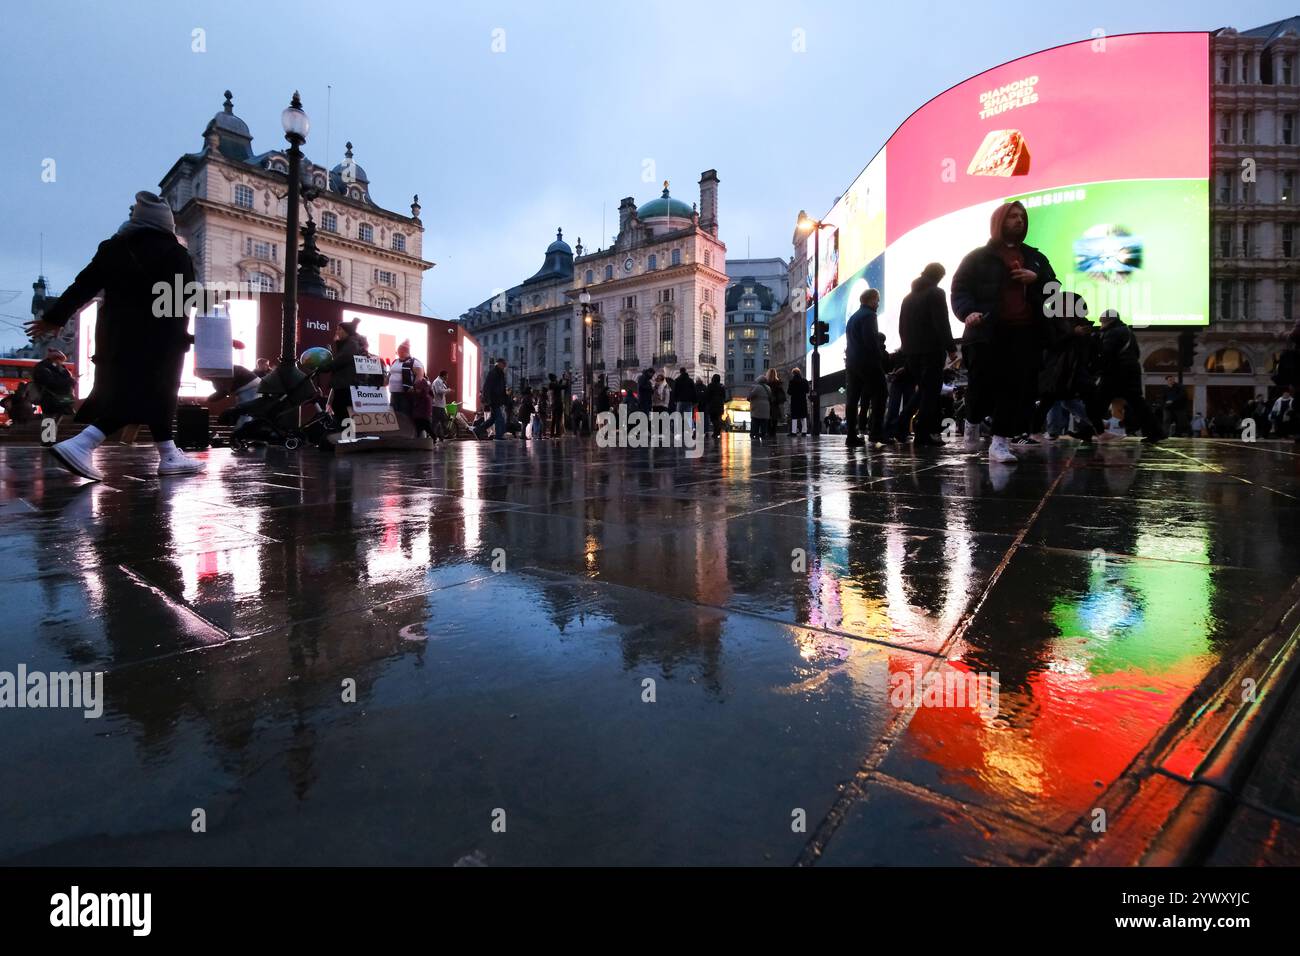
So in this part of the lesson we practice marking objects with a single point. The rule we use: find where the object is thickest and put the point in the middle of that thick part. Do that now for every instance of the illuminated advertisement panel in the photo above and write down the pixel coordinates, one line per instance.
(1105, 142)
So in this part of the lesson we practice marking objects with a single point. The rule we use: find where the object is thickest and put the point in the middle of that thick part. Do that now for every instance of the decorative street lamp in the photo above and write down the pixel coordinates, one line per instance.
(296, 125)
(807, 224)
(589, 357)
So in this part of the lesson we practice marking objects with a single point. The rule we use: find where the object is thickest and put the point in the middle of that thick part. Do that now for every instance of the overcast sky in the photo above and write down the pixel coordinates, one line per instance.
(502, 147)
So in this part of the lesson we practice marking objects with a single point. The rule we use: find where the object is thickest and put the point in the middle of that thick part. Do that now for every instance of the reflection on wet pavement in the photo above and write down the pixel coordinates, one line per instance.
(747, 658)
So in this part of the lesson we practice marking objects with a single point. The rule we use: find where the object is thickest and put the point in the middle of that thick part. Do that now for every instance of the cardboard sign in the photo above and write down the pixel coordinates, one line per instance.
(213, 347)
(367, 365)
(368, 399)
(369, 422)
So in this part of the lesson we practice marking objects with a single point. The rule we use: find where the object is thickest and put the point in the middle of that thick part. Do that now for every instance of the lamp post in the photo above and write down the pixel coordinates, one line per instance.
(806, 224)
(589, 356)
(296, 125)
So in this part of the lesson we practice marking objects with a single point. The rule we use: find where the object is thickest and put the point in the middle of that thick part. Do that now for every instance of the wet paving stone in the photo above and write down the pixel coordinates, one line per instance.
(494, 611)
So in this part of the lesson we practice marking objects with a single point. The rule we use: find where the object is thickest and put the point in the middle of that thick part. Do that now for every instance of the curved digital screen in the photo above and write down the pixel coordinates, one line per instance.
(1105, 141)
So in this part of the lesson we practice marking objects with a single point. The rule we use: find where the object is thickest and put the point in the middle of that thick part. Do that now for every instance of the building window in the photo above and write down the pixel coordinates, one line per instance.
(706, 331)
(708, 295)
(1225, 241)
(591, 277)
(1225, 299)
(666, 333)
(384, 302)
(1247, 240)
(749, 364)
(1286, 186)
(731, 335)
(260, 250)
(383, 277)
(597, 336)
(335, 267)
(652, 263)
(331, 293)
(1288, 300)
(329, 222)
(1225, 70)
(1288, 129)
(261, 282)
(629, 302)
(1247, 128)
(677, 257)
(243, 196)
(609, 273)
(568, 322)
(1288, 240)
(1287, 71)
(1247, 192)
(399, 242)
(1224, 126)
(665, 295)
(708, 258)
(568, 346)
(629, 338)
(749, 317)
(749, 333)
(366, 232)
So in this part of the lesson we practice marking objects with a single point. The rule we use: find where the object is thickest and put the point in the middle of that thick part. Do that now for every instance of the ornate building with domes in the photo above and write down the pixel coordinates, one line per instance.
(231, 205)
(657, 294)
(657, 299)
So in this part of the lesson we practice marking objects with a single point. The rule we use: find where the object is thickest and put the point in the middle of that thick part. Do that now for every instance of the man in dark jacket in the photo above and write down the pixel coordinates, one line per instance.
(865, 379)
(926, 338)
(645, 388)
(1120, 365)
(494, 396)
(1175, 406)
(999, 293)
(798, 393)
(139, 353)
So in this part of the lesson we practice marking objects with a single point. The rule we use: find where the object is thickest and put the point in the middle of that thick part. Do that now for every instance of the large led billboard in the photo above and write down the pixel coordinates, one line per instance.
(1105, 141)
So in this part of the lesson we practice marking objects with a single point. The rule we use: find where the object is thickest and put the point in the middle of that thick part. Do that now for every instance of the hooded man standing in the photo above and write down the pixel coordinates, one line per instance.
(864, 374)
(926, 337)
(138, 353)
(998, 292)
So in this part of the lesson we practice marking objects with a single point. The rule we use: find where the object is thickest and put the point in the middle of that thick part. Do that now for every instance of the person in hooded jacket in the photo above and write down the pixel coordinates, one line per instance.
(645, 388)
(138, 353)
(999, 293)
(344, 349)
(923, 327)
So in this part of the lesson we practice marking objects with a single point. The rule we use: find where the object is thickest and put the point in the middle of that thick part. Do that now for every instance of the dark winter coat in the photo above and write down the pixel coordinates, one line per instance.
(715, 398)
(798, 391)
(494, 387)
(862, 339)
(342, 367)
(978, 282)
(1119, 357)
(138, 356)
(923, 322)
(422, 400)
(683, 388)
(56, 386)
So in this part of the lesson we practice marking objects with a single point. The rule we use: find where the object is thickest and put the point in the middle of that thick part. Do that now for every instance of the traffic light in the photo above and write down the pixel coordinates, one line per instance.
(1186, 348)
(821, 334)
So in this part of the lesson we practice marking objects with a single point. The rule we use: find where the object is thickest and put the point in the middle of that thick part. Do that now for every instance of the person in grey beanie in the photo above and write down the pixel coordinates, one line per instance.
(138, 354)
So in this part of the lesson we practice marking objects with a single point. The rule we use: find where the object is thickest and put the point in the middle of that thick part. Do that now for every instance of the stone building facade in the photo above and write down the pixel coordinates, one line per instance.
(658, 293)
(231, 205)
(1255, 223)
(757, 291)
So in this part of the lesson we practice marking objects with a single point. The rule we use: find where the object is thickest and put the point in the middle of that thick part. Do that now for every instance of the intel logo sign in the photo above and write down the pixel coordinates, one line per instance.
(318, 326)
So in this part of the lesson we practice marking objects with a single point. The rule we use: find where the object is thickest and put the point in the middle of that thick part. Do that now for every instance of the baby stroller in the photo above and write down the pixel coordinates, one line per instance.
(272, 416)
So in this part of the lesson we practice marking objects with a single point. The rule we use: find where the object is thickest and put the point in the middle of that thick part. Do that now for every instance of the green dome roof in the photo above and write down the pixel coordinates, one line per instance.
(665, 206)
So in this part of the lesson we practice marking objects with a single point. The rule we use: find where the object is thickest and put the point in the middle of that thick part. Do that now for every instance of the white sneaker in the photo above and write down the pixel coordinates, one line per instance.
(78, 456)
(999, 452)
(172, 461)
